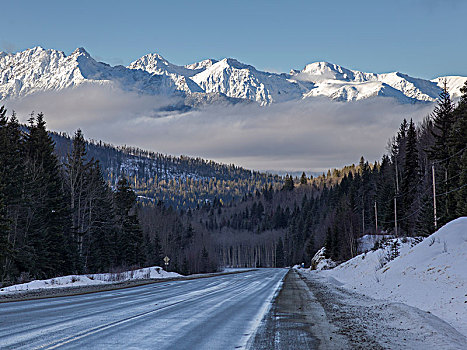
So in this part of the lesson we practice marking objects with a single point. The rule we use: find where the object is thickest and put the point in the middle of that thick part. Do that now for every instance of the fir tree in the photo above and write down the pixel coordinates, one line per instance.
(100, 250)
(12, 179)
(280, 260)
(303, 179)
(49, 230)
(457, 199)
(5, 247)
(410, 180)
(205, 263)
(288, 184)
(443, 119)
(76, 169)
(130, 236)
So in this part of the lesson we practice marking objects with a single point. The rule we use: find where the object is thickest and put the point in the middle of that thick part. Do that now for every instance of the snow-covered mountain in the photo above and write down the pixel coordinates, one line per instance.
(37, 69)
(453, 84)
(347, 85)
(239, 80)
(209, 81)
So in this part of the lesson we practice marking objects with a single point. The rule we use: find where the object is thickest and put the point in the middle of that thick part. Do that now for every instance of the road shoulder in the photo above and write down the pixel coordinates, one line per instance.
(380, 324)
(297, 320)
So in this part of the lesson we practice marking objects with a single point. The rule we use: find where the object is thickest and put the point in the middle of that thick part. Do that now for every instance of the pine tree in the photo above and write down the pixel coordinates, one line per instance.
(99, 246)
(49, 231)
(425, 222)
(5, 247)
(457, 199)
(280, 260)
(303, 179)
(410, 180)
(130, 235)
(205, 263)
(443, 119)
(288, 184)
(12, 178)
(76, 169)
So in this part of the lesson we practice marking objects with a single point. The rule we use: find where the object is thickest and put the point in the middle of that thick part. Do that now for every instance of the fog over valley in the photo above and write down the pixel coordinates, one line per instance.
(312, 135)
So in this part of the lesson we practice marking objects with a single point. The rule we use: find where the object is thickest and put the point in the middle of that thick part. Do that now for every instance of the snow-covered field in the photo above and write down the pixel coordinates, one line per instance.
(91, 279)
(431, 275)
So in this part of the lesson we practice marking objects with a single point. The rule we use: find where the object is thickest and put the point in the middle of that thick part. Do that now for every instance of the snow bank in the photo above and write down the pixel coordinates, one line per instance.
(91, 279)
(367, 242)
(319, 261)
(431, 275)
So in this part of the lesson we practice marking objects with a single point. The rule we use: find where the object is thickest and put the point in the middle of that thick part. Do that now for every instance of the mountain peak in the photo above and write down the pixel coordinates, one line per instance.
(38, 69)
(202, 64)
(80, 51)
(153, 63)
(36, 49)
(327, 70)
(232, 62)
(154, 57)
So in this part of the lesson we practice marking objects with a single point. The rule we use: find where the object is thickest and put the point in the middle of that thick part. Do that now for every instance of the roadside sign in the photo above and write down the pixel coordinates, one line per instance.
(166, 260)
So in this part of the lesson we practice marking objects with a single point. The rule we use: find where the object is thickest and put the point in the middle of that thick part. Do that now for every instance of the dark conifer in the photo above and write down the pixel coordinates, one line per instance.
(443, 119)
(288, 184)
(130, 236)
(303, 179)
(49, 229)
(410, 180)
(280, 261)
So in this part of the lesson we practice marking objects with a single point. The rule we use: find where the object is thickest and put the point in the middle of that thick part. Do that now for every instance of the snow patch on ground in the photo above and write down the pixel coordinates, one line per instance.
(431, 275)
(153, 272)
(368, 242)
(236, 269)
(319, 261)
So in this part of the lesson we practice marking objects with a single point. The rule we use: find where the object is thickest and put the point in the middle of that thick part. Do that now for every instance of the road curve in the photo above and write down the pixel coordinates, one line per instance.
(220, 312)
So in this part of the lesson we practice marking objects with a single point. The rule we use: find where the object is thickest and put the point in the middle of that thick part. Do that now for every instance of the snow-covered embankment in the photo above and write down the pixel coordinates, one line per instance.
(153, 272)
(431, 276)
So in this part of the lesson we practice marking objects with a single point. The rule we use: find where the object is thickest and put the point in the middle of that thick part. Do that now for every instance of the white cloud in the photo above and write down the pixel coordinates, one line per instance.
(311, 135)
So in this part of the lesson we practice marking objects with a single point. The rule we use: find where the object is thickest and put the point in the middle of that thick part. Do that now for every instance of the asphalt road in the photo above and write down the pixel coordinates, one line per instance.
(220, 312)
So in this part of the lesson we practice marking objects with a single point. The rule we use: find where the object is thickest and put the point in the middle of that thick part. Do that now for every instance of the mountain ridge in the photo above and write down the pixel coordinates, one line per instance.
(38, 69)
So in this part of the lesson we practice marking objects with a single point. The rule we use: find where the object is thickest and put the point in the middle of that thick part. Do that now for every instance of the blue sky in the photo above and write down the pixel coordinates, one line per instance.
(423, 38)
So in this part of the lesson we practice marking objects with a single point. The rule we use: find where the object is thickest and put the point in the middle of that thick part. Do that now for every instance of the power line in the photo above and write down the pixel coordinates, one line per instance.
(417, 210)
(453, 155)
(455, 189)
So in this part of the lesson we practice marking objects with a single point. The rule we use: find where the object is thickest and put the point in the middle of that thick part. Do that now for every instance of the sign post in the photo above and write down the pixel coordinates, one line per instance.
(166, 261)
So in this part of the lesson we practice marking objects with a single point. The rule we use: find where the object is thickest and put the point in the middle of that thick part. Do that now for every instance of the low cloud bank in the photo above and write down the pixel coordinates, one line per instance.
(312, 135)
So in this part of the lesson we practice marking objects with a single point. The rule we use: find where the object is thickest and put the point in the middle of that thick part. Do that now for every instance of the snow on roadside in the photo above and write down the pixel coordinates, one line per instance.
(319, 261)
(431, 276)
(91, 279)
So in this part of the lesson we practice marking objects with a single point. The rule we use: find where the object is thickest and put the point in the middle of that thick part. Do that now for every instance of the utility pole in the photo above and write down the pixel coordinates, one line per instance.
(376, 218)
(397, 179)
(434, 195)
(395, 216)
(363, 222)
(395, 199)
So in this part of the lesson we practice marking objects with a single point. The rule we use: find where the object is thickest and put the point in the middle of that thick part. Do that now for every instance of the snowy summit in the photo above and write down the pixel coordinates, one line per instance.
(37, 69)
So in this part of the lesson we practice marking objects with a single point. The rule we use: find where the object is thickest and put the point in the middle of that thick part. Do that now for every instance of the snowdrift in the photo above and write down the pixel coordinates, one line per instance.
(319, 261)
(431, 275)
(153, 272)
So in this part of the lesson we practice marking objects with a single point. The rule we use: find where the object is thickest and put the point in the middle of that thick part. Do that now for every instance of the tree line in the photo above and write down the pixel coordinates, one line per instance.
(181, 182)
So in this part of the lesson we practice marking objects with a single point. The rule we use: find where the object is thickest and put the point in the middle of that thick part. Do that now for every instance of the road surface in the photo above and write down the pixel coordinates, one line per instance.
(220, 312)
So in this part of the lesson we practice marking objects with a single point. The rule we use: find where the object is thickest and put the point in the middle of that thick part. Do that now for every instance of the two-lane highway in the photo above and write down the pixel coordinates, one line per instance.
(219, 312)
